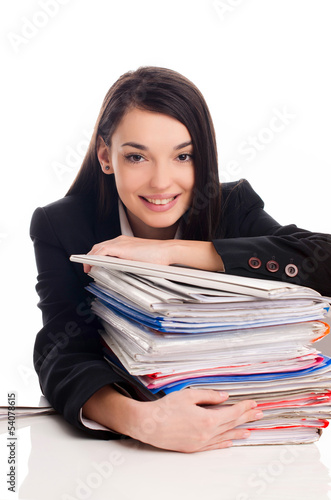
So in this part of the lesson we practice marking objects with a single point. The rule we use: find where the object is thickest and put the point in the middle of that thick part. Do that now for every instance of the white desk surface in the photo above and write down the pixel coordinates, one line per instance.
(57, 462)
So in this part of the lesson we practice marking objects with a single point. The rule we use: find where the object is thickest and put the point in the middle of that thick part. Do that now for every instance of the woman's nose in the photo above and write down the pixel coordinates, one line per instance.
(161, 176)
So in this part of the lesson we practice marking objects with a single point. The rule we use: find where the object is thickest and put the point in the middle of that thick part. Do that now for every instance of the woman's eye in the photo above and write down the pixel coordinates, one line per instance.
(185, 157)
(134, 158)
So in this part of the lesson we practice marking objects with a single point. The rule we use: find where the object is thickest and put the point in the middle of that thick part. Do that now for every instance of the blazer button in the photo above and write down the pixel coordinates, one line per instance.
(272, 266)
(254, 262)
(291, 270)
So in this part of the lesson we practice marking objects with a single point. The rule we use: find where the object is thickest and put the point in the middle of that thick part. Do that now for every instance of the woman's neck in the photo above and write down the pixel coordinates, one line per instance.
(141, 230)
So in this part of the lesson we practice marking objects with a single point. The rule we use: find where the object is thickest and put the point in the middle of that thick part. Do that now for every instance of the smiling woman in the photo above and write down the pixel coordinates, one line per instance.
(148, 190)
(155, 181)
(156, 109)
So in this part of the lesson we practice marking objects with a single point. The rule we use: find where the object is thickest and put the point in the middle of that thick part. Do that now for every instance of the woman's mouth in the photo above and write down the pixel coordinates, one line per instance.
(159, 203)
(163, 201)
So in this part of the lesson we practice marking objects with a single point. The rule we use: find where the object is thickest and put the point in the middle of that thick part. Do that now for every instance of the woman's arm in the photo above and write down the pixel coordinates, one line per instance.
(175, 422)
(253, 244)
(74, 375)
(67, 353)
(250, 243)
(198, 254)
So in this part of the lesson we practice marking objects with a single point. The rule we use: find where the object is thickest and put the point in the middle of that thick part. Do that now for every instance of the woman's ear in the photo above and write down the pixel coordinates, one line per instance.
(104, 156)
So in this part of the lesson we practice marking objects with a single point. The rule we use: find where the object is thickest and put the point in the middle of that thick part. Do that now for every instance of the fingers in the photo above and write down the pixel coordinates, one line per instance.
(98, 249)
(240, 413)
(110, 247)
(206, 396)
(219, 420)
(87, 268)
(133, 248)
(226, 439)
(232, 435)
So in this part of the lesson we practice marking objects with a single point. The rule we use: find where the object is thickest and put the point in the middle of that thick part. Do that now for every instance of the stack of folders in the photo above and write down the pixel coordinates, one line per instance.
(167, 328)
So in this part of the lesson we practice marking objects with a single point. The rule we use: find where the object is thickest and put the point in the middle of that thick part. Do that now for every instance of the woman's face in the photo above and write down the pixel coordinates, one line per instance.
(151, 156)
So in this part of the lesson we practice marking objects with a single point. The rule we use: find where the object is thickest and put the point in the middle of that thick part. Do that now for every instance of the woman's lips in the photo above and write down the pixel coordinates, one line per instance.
(160, 203)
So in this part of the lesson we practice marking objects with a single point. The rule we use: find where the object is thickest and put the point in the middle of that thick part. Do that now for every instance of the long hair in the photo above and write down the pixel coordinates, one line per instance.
(163, 91)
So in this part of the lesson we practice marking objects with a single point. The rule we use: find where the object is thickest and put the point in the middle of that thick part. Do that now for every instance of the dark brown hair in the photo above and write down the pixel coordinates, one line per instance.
(164, 91)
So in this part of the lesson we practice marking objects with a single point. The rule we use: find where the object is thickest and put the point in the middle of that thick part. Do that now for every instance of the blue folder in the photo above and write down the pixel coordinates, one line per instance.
(176, 386)
(127, 309)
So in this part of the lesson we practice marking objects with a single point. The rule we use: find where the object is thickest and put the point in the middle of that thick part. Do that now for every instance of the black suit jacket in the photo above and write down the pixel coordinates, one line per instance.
(67, 354)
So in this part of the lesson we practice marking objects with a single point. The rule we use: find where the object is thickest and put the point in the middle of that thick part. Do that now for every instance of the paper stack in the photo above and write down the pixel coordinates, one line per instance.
(167, 328)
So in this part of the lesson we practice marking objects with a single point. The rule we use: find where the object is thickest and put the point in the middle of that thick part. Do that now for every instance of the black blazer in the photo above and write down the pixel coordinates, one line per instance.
(67, 354)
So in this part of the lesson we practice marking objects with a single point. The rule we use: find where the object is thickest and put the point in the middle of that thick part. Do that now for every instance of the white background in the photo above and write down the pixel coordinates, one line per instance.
(248, 57)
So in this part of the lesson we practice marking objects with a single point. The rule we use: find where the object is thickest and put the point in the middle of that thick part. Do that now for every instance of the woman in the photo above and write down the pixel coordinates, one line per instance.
(148, 189)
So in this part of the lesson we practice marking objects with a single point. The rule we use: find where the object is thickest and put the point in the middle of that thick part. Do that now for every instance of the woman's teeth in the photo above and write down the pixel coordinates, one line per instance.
(160, 202)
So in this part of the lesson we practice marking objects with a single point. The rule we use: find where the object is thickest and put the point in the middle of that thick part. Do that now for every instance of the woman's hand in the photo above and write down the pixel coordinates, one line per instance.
(198, 254)
(177, 422)
(132, 248)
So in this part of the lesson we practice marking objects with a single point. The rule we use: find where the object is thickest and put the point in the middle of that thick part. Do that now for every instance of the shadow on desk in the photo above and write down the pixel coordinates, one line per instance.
(65, 465)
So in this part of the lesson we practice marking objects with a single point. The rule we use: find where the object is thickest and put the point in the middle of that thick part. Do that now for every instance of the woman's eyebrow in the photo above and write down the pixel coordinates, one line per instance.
(145, 148)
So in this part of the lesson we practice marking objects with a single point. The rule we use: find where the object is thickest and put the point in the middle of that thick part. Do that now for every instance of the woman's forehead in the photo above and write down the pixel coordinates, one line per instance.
(146, 128)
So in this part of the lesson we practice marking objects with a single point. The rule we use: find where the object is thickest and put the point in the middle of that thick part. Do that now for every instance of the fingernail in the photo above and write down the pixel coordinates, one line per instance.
(253, 404)
(259, 414)
(246, 434)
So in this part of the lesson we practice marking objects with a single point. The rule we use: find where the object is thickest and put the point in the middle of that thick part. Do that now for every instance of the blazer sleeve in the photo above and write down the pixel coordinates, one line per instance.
(67, 353)
(253, 244)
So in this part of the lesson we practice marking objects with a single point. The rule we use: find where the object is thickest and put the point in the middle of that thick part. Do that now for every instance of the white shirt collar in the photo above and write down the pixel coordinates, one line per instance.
(125, 225)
